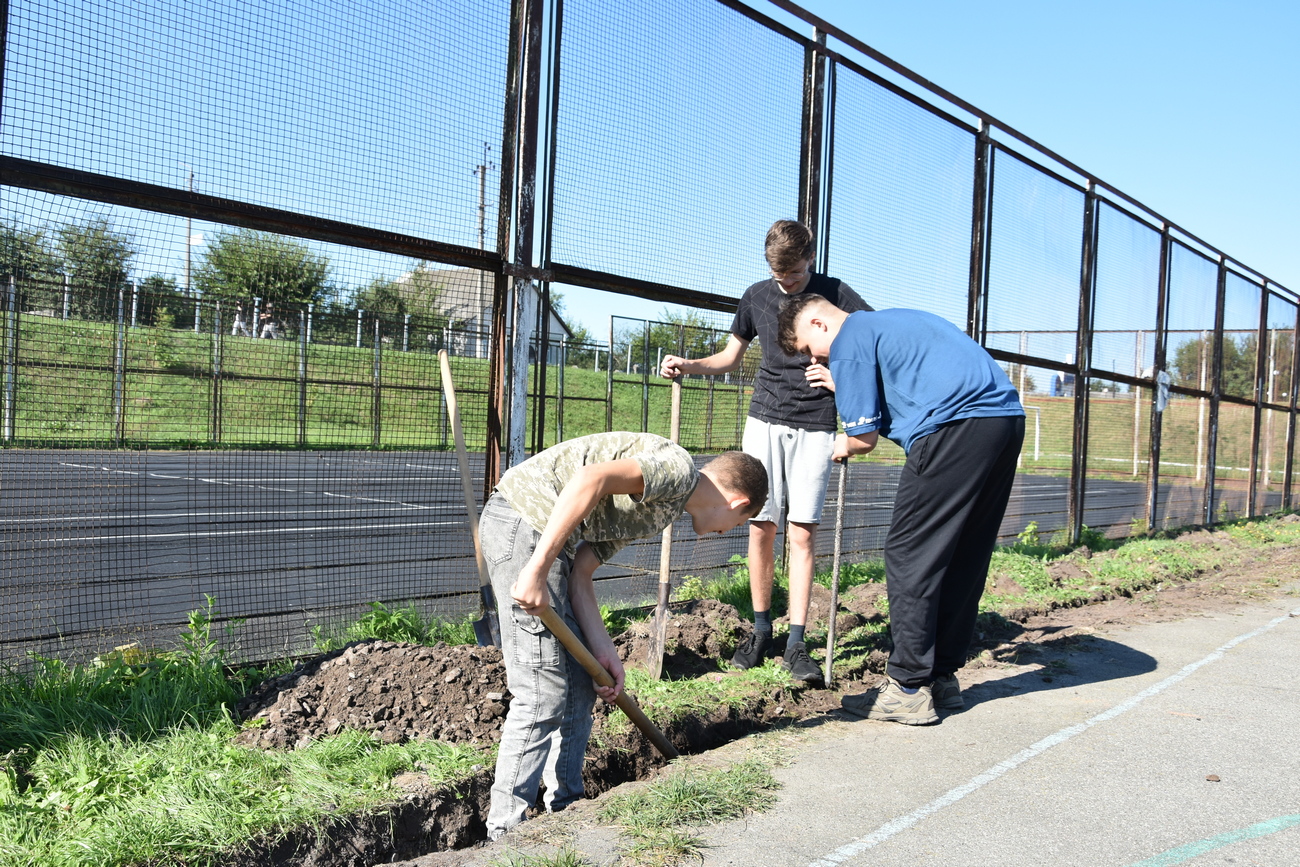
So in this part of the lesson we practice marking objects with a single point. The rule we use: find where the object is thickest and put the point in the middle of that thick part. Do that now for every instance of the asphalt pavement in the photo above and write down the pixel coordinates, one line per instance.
(1160, 744)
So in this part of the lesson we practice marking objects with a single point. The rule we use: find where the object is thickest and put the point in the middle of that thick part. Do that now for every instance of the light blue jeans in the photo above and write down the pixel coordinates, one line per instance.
(546, 731)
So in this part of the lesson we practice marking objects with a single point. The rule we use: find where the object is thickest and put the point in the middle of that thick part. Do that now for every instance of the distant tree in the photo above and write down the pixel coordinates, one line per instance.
(383, 297)
(1281, 351)
(26, 256)
(245, 264)
(97, 261)
(1014, 372)
(418, 292)
(581, 347)
(24, 252)
(689, 334)
(163, 304)
(1238, 363)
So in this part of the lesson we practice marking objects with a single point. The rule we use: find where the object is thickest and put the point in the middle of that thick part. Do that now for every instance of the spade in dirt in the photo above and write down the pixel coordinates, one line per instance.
(659, 623)
(487, 631)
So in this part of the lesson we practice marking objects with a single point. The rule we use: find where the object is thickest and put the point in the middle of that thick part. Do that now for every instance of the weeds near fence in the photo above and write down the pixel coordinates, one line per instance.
(405, 623)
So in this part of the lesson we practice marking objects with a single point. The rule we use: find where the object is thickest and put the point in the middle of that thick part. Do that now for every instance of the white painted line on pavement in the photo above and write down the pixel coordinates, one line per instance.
(902, 823)
(336, 529)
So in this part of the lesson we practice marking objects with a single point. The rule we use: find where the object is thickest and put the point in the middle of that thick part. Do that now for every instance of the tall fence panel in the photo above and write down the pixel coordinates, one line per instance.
(901, 183)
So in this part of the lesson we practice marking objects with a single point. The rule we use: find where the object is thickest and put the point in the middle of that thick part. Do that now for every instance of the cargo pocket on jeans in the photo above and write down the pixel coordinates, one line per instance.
(535, 645)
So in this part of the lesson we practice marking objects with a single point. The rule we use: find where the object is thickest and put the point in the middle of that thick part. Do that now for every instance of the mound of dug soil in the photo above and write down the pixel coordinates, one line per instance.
(395, 691)
(700, 634)
(458, 694)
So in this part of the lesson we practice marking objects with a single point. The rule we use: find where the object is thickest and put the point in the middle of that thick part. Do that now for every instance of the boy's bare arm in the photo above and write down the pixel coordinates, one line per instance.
(724, 361)
(846, 445)
(582, 596)
(589, 485)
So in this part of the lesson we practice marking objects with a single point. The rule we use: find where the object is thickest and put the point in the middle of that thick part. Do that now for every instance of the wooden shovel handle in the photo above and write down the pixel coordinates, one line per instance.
(666, 544)
(462, 458)
(561, 630)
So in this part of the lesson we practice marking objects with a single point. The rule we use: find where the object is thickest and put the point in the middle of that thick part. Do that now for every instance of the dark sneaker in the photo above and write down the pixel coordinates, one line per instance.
(753, 650)
(889, 703)
(947, 693)
(800, 664)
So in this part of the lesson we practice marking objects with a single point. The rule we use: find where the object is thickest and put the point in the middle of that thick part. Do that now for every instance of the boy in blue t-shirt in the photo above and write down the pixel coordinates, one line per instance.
(918, 380)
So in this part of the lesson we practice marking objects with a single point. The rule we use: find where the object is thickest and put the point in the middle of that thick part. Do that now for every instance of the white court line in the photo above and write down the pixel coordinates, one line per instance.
(264, 478)
(902, 823)
(333, 528)
(279, 513)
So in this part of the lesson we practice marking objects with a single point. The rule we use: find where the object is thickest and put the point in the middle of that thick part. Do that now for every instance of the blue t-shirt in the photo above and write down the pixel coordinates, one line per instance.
(905, 373)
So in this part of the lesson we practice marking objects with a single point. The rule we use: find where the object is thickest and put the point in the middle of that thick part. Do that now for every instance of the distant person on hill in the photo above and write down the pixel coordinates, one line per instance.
(241, 325)
(269, 327)
(550, 522)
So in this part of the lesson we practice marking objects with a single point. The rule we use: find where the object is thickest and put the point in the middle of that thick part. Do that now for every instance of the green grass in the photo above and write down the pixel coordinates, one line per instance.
(184, 796)
(132, 760)
(130, 692)
(657, 820)
(66, 385)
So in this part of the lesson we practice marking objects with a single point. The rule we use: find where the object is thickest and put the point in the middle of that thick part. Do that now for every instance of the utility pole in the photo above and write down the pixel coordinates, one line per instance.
(481, 170)
(189, 235)
(189, 242)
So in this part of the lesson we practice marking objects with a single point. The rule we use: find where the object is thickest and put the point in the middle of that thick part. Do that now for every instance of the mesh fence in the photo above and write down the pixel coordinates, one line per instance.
(651, 183)
(317, 108)
(234, 238)
(900, 200)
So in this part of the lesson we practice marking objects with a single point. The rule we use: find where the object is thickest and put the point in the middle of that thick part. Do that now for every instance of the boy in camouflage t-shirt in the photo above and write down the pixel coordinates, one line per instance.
(551, 521)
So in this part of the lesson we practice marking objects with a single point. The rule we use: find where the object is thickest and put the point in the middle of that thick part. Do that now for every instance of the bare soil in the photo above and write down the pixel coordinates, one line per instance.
(458, 694)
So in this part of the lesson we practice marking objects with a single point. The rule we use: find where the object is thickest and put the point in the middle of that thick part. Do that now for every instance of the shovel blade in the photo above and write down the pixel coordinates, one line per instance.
(487, 630)
(483, 632)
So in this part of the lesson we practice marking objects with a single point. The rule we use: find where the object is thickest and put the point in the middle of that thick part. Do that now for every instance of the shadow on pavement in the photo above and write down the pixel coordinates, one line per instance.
(1089, 659)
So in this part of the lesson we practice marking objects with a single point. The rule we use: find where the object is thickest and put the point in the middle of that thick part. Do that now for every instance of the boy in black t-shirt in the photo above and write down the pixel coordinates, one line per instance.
(791, 429)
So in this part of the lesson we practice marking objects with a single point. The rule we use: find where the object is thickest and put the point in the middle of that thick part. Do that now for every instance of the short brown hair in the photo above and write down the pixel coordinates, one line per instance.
(788, 242)
(739, 473)
(786, 319)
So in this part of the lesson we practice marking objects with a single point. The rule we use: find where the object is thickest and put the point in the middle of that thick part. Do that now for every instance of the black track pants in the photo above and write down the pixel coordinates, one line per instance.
(951, 498)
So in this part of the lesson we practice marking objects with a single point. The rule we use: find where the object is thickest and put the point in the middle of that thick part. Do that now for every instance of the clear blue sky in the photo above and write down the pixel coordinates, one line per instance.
(1189, 107)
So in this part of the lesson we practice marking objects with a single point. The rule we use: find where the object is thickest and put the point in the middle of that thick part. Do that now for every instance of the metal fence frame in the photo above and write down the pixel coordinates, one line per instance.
(522, 268)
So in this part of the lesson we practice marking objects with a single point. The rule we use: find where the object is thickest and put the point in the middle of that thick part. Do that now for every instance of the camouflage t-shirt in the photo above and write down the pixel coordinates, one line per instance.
(532, 487)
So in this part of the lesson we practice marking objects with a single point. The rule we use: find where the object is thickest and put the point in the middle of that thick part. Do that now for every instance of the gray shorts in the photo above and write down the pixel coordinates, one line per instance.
(798, 466)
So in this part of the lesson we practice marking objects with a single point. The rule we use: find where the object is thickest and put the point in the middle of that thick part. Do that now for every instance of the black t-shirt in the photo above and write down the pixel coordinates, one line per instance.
(781, 393)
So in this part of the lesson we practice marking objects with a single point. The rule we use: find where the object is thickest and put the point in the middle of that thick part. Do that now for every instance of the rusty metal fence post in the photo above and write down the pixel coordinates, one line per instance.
(119, 370)
(304, 335)
(1083, 363)
(1216, 391)
(11, 358)
(1160, 392)
(215, 410)
(376, 389)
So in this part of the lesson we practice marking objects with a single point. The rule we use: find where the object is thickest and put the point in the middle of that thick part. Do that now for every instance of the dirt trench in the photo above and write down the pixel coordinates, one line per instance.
(399, 692)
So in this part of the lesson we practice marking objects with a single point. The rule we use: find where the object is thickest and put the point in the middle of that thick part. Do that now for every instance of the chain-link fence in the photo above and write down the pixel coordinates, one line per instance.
(233, 239)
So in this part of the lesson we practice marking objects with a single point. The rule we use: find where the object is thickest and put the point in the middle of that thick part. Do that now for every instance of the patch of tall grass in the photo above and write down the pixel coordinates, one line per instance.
(405, 623)
(132, 760)
(130, 692)
(185, 796)
(656, 818)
